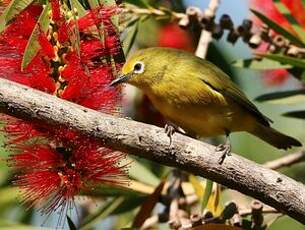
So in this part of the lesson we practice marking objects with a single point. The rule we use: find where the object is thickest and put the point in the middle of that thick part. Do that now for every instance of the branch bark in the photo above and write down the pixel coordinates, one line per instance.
(150, 142)
(206, 36)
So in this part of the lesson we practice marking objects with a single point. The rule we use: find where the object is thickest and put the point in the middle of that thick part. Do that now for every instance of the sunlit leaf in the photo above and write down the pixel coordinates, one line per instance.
(81, 11)
(102, 213)
(293, 61)
(148, 206)
(295, 114)
(33, 46)
(287, 13)
(13, 9)
(214, 204)
(139, 172)
(198, 187)
(207, 194)
(279, 29)
(284, 97)
(263, 64)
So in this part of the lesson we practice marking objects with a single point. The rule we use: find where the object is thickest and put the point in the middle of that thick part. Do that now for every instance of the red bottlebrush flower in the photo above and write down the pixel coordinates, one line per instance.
(171, 35)
(52, 177)
(60, 162)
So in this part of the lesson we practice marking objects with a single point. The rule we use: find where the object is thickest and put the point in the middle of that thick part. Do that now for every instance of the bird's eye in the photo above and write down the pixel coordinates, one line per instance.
(138, 67)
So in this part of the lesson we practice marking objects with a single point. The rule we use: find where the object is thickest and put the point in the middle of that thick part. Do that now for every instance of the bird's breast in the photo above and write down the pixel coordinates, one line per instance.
(211, 116)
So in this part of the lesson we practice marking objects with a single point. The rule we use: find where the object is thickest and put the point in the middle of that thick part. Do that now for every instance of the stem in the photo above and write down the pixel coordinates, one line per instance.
(206, 36)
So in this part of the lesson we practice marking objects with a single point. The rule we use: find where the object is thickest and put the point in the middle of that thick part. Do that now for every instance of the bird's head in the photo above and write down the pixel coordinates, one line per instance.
(143, 69)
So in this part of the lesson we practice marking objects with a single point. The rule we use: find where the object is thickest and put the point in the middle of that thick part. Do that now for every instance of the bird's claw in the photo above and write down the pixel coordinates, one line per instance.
(169, 130)
(225, 150)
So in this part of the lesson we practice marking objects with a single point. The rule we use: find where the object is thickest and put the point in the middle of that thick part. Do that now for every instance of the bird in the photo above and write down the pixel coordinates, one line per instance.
(197, 96)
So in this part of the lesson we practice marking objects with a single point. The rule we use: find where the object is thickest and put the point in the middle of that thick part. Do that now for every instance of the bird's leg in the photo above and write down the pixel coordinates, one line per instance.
(225, 149)
(170, 129)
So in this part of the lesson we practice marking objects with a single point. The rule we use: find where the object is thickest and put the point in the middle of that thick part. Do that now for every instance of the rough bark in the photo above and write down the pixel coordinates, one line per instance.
(150, 142)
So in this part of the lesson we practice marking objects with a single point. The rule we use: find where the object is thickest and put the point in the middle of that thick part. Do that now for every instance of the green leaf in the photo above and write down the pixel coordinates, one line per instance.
(132, 32)
(296, 62)
(284, 97)
(13, 9)
(81, 11)
(263, 64)
(295, 114)
(71, 224)
(207, 194)
(33, 46)
(139, 172)
(287, 13)
(102, 213)
(277, 28)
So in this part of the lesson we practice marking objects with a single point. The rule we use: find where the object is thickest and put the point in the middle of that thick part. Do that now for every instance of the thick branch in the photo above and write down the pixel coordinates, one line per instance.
(272, 188)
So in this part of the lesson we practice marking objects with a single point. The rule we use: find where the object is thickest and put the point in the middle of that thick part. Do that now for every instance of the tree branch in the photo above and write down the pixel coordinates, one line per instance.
(286, 161)
(150, 142)
(206, 36)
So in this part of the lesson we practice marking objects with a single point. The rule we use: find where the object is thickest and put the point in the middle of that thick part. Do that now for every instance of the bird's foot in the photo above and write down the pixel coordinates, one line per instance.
(170, 130)
(225, 150)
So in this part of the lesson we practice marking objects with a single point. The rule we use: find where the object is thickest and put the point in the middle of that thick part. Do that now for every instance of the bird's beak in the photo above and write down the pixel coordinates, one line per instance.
(120, 79)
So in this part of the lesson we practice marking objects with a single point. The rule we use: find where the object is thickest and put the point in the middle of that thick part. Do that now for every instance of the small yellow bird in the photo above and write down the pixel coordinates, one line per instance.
(197, 96)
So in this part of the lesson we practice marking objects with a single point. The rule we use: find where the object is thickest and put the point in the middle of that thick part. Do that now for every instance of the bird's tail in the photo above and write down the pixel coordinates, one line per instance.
(275, 138)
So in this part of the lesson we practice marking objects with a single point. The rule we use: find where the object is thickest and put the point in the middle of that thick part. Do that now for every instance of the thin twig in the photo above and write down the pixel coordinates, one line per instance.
(286, 161)
(150, 142)
(206, 36)
(267, 210)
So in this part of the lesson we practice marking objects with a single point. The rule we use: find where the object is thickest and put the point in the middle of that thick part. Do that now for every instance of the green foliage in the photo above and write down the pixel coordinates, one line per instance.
(12, 10)
(279, 29)
(33, 46)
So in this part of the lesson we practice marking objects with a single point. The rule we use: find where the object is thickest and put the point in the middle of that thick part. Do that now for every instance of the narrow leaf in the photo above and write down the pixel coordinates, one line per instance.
(128, 42)
(284, 97)
(148, 206)
(296, 62)
(102, 213)
(33, 46)
(263, 64)
(277, 28)
(71, 224)
(199, 189)
(13, 9)
(75, 37)
(139, 172)
(295, 114)
(81, 11)
(207, 194)
(287, 13)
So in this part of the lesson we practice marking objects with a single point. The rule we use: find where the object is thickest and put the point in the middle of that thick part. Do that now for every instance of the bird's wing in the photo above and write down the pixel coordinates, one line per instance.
(222, 83)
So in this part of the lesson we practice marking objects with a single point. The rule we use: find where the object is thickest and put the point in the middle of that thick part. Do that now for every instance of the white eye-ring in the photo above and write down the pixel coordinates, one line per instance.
(138, 67)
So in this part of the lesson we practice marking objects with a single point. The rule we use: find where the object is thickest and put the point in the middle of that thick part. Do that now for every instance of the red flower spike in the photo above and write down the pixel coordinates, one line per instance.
(50, 175)
(46, 46)
(56, 16)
